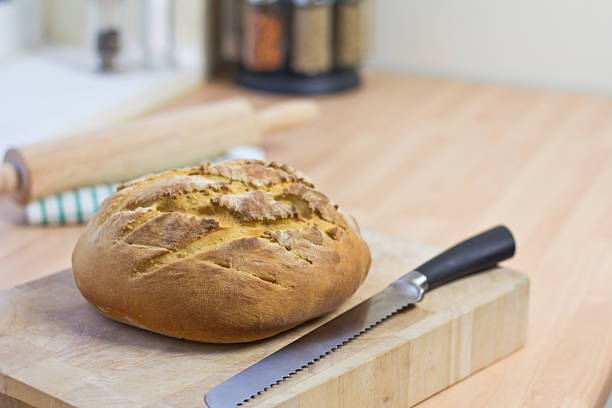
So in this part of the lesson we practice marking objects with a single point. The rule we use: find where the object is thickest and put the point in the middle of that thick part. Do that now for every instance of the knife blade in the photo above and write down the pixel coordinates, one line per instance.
(475, 254)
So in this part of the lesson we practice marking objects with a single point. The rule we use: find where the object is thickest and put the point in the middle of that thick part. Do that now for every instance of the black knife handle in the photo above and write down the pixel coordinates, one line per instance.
(472, 255)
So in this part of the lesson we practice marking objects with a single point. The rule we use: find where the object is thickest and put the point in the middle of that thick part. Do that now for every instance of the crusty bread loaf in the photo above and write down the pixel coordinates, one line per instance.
(223, 253)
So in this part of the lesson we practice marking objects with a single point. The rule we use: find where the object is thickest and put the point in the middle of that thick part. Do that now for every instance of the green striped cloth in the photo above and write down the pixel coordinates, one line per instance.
(79, 205)
(70, 207)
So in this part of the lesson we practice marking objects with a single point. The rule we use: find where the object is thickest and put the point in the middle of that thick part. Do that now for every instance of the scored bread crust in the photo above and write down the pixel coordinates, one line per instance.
(232, 252)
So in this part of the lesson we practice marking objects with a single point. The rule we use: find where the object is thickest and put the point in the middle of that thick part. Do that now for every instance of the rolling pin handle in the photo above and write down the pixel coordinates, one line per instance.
(9, 178)
(286, 114)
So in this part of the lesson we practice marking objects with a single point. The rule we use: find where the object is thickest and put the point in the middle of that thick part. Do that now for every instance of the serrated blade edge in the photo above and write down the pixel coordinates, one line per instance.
(311, 347)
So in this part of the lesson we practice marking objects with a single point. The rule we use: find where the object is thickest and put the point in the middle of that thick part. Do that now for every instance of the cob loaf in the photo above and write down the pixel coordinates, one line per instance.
(231, 252)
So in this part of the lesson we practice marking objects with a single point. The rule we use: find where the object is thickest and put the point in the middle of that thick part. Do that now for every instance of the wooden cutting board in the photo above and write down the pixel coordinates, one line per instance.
(57, 351)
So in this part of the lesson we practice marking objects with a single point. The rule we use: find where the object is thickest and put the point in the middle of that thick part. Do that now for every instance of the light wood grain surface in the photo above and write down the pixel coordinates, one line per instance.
(435, 161)
(57, 351)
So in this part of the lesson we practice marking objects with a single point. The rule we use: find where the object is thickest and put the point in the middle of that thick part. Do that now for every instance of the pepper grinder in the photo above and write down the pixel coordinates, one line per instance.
(106, 15)
(133, 34)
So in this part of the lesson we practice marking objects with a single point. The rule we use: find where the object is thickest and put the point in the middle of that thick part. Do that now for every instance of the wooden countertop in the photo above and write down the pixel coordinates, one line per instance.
(435, 161)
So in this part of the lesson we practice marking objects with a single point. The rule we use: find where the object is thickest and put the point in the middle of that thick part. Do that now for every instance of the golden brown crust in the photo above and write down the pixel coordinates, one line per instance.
(171, 230)
(255, 205)
(171, 186)
(232, 252)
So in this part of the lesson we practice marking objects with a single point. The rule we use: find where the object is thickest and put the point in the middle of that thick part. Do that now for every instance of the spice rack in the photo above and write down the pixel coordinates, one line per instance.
(296, 46)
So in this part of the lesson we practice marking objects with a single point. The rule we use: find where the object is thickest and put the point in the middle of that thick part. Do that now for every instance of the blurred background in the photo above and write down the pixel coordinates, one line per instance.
(73, 66)
(70, 67)
(54, 57)
(544, 43)
(54, 53)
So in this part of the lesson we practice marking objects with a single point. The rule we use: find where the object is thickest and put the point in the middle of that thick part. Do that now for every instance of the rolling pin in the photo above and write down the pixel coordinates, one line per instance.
(151, 144)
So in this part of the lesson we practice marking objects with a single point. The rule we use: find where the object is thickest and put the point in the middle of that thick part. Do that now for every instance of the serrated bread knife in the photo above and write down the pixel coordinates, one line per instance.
(475, 254)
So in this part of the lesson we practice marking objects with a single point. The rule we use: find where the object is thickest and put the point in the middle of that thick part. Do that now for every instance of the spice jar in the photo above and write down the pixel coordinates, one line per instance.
(311, 47)
(352, 32)
(263, 46)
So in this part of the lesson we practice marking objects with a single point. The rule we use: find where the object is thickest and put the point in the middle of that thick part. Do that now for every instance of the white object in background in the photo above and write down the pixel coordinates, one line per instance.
(21, 26)
(157, 33)
(10, 43)
(79, 205)
(43, 96)
(244, 152)
(191, 44)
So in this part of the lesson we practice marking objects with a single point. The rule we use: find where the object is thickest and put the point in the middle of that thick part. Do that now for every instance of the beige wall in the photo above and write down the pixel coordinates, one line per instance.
(547, 43)
(66, 21)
